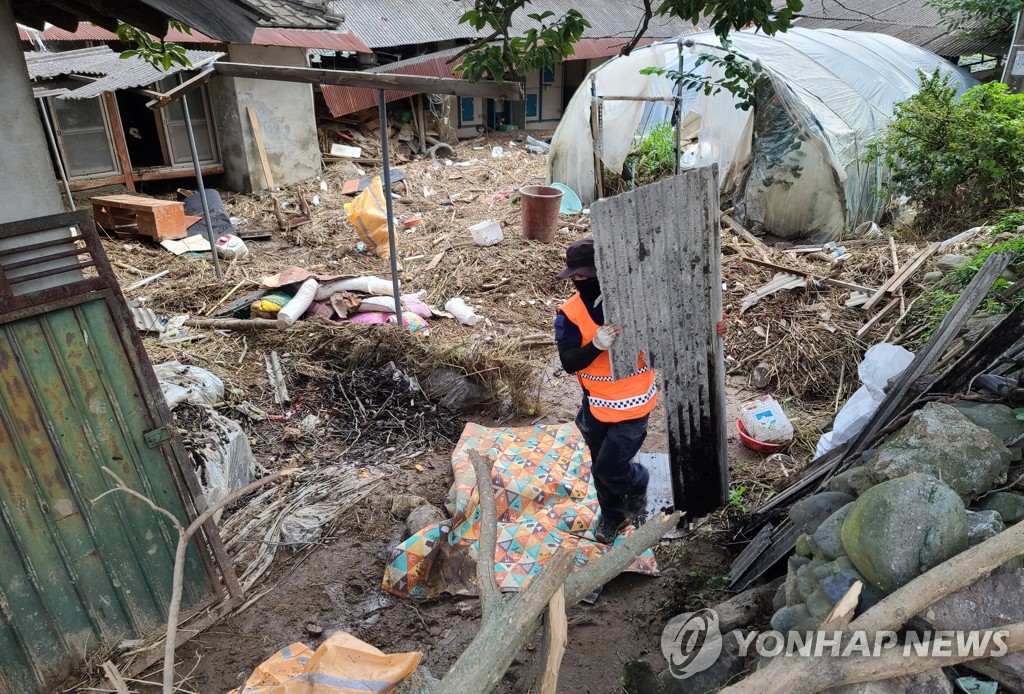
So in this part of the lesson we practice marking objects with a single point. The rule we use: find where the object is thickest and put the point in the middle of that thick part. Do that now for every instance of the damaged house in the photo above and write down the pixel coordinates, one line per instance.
(105, 134)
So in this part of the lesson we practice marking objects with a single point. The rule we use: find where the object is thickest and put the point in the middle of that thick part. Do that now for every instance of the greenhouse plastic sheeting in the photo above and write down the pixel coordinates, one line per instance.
(793, 166)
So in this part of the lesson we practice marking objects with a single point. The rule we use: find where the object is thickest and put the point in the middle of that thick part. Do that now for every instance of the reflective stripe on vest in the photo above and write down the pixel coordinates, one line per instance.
(610, 400)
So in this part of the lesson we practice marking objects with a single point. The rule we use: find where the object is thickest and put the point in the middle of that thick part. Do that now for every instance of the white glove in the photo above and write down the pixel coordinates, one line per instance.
(605, 337)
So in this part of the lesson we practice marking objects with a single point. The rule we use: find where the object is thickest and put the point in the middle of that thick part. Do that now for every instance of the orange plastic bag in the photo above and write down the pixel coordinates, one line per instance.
(342, 665)
(368, 214)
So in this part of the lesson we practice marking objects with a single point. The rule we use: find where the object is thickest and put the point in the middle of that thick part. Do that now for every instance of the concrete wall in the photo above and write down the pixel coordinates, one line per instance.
(27, 179)
(286, 117)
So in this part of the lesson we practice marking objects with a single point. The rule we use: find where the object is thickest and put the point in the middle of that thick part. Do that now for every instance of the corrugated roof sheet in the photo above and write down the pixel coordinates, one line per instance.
(913, 21)
(264, 36)
(344, 100)
(115, 73)
(294, 14)
(386, 23)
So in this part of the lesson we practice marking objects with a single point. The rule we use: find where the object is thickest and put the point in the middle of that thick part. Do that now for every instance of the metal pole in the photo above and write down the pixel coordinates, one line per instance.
(382, 108)
(679, 106)
(202, 189)
(1009, 77)
(56, 152)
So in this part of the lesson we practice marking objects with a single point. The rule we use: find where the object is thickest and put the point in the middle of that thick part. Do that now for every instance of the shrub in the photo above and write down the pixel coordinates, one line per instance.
(957, 159)
(654, 158)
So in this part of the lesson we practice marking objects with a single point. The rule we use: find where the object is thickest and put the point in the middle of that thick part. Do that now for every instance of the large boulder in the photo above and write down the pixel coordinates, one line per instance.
(991, 602)
(1009, 506)
(899, 529)
(807, 514)
(997, 419)
(854, 481)
(828, 538)
(940, 441)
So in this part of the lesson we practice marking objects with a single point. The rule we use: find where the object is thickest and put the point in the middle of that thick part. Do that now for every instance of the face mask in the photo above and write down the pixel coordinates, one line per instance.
(588, 288)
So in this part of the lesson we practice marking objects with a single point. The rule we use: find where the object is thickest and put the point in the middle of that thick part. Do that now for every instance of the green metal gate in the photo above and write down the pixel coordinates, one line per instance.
(78, 393)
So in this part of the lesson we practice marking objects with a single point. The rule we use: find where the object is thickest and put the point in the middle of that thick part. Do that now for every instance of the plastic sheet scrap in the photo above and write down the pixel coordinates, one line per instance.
(545, 500)
(341, 665)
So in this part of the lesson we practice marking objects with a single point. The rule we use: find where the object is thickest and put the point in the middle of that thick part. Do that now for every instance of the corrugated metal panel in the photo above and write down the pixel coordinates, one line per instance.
(91, 32)
(386, 23)
(913, 21)
(76, 394)
(117, 73)
(292, 13)
(303, 38)
(344, 100)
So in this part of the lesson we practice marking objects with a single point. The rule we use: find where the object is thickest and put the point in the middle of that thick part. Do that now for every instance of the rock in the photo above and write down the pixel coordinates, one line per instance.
(932, 277)
(930, 682)
(991, 602)
(1000, 420)
(423, 517)
(793, 596)
(854, 481)
(638, 677)
(804, 546)
(982, 525)
(807, 514)
(829, 536)
(977, 326)
(1012, 566)
(404, 504)
(899, 529)
(728, 665)
(419, 682)
(940, 441)
(779, 599)
(1009, 506)
(818, 604)
(789, 617)
(951, 261)
(747, 607)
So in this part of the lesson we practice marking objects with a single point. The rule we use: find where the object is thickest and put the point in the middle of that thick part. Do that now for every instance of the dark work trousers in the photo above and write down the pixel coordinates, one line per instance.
(612, 448)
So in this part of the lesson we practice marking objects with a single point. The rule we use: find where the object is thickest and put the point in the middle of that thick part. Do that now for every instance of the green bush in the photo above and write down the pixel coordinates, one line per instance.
(957, 159)
(654, 158)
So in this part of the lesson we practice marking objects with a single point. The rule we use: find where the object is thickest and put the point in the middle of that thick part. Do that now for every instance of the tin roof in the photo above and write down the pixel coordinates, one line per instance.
(386, 23)
(264, 36)
(111, 71)
(345, 100)
(913, 21)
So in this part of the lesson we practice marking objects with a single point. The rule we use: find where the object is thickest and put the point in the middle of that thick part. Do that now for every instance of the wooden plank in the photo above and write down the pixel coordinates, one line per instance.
(757, 244)
(120, 144)
(258, 136)
(138, 203)
(899, 395)
(984, 354)
(803, 273)
(877, 317)
(893, 284)
(658, 255)
(182, 89)
(507, 91)
(596, 107)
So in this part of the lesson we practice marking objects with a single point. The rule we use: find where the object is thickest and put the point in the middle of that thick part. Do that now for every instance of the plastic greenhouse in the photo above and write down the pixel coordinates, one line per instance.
(794, 165)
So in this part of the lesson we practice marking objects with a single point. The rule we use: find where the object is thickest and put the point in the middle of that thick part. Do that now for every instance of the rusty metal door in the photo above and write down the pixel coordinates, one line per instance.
(77, 393)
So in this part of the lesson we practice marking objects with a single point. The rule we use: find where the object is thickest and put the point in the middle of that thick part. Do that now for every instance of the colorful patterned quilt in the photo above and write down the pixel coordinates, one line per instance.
(545, 500)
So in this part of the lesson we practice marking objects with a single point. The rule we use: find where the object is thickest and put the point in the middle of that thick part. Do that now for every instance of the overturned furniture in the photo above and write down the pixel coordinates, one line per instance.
(78, 394)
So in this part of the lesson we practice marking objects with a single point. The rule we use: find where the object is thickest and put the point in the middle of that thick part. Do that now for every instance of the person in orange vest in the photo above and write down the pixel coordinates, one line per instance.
(614, 414)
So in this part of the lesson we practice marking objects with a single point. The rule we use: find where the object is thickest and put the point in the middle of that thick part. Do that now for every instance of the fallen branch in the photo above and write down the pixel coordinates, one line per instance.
(556, 638)
(784, 674)
(509, 620)
(184, 536)
(804, 675)
(756, 244)
(233, 323)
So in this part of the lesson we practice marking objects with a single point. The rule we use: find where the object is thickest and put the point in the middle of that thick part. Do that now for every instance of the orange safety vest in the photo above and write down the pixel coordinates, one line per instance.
(611, 401)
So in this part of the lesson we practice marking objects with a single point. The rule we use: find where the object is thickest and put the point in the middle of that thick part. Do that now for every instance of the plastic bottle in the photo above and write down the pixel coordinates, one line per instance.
(291, 311)
(765, 421)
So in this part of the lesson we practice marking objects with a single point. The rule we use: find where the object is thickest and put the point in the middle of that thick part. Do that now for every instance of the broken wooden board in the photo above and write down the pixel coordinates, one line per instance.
(658, 252)
(893, 284)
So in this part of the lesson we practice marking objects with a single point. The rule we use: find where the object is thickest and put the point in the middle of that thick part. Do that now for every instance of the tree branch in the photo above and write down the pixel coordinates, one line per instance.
(487, 586)
(184, 535)
(645, 22)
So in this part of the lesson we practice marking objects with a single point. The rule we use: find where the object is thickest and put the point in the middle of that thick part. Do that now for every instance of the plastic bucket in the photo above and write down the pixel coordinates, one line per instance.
(540, 212)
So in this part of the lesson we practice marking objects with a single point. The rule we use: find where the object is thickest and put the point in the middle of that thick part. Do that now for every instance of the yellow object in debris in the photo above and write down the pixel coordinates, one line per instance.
(419, 468)
(342, 665)
(368, 214)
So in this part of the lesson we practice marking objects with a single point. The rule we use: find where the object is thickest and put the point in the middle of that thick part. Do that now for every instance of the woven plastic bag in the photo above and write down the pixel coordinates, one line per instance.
(368, 214)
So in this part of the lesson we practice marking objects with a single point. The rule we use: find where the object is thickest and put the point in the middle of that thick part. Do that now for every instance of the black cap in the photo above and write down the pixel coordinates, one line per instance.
(579, 259)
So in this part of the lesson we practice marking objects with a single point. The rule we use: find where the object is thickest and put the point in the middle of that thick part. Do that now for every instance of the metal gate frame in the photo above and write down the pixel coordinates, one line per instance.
(57, 262)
